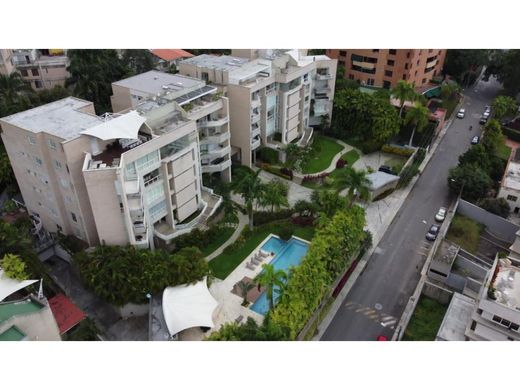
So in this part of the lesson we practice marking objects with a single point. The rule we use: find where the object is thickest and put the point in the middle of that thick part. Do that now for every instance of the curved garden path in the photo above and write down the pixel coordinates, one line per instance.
(243, 220)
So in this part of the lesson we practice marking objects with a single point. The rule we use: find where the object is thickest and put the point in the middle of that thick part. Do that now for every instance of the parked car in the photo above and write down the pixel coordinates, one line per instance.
(441, 214)
(386, 169)
(487, 109)
(483, 120)
(432, 233)
(486, 114)
(461, 113)
(382, 338)
(475, 140)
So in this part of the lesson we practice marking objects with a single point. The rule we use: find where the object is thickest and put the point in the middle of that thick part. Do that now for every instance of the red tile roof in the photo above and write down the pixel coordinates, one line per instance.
(67, 314)
(171, 54)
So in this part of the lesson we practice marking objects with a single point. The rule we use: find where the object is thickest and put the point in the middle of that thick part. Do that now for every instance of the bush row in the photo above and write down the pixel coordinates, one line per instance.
(510, 133)
(398, 150)
(263, 217)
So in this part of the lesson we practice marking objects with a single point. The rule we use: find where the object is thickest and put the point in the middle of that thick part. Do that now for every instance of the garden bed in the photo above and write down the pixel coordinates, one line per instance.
(426, 320)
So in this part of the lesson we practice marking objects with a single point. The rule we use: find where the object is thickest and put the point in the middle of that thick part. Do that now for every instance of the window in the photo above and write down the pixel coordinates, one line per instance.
(38, 161)
(52, 144)
(424, 81)
(204, 76)
(404, 76)
(512, 198)
(351, 77)
(32, 139)
(392, 51)
(388, 73)
(38, 84)
(408, 54)
(57, 164)
(60, 229)
(406, 66)
(473, 325)
(375, 50)
(390, 62)
(24, 73)
(35, 72)
(341, 63)
(386, 84)
(73, 216)
(342, 53)
(370, 82)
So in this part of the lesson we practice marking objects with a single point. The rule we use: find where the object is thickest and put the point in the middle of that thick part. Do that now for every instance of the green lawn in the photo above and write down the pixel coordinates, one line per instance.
(351, 157)
(323, 151)
(222, 265)
(465, 232)
(396, 163)
(426, 320)
(225, 233)
(504, 151)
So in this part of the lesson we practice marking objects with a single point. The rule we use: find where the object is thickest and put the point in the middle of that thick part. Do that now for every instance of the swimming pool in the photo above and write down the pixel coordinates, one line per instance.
(287, 254)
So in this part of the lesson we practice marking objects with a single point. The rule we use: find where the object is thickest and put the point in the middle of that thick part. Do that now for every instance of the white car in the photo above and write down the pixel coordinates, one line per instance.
(461, 113)
(441, 214)
(486, 114)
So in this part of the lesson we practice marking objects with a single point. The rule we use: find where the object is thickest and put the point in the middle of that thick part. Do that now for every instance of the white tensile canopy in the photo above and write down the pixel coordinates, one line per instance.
(188, 306)
(9, 286)
(124, 126)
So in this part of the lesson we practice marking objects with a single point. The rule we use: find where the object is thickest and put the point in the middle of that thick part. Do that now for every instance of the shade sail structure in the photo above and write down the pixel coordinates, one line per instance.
(9, 286)
(188, 306)
(124, 126)
(66, 313)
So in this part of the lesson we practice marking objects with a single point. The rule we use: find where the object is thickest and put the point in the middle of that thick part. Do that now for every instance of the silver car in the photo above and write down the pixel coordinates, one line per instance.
(461, 113)
(441, 214)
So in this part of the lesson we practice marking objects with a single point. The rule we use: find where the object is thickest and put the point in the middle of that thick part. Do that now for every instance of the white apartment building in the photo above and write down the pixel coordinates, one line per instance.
(128, 178)
(275, 96)
(200, 103)
(510, 184)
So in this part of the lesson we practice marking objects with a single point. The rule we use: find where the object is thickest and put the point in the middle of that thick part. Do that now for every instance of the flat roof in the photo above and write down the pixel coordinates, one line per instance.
(154, 82)
(217, 62)
(507, 285)
(66, 313)
(456, 319)
(12, 334)
(512, 176)
(446, 253)
(61, 118)
(10, 309)
(379, 179)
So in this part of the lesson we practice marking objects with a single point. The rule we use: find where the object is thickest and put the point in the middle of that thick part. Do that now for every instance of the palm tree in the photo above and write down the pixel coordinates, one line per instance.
(275, 195)
(328, 202)
(357, 183)
(252, 190)
(418, 115)
(271, 278)
(404, 92)
(245, 286)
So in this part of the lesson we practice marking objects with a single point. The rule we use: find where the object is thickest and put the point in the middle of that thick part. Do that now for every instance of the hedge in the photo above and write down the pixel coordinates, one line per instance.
(510, 133)
(398, 150)
(263, 217)
(267, 155)
(334, 244)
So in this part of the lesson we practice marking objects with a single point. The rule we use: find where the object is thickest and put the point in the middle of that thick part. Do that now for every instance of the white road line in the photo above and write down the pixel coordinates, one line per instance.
(387, 318)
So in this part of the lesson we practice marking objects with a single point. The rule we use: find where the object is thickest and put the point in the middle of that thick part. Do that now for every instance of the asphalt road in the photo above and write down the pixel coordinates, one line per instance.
(378, 298)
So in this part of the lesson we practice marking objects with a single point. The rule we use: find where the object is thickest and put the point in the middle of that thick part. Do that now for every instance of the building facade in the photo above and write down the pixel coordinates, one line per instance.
(128, 178)
(385, 67)
(42, 69)
(510, 184)
(6, 62)
(275, 96)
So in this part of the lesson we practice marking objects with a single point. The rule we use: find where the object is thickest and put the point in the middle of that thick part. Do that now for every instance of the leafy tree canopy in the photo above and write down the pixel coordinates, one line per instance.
(503, 106)
(498, 206)
(462, 64)
(504, 65)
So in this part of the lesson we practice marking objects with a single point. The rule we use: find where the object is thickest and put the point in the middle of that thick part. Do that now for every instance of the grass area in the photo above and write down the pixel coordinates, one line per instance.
(504, 151)
(323, 151)
(312, 330)
(426, 320)
(225, 233)
(450, 105)
(222, 265)
(396, 163)
(351, 157)
(465, 232)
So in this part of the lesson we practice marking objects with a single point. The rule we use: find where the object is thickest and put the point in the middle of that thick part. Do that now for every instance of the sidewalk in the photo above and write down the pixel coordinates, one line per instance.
(379, 217)
(243, 220)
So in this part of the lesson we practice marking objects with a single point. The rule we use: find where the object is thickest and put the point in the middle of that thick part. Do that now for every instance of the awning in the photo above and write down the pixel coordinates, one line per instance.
(124, 126)
(9, 286)
(67, 314)
(188, 306)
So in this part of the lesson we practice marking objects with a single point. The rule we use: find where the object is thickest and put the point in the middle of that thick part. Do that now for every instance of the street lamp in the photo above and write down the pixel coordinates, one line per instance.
(149, 296)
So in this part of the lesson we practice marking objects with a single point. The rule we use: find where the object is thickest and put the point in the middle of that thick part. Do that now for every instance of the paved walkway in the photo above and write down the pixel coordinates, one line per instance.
(332, 166)
(243, 220)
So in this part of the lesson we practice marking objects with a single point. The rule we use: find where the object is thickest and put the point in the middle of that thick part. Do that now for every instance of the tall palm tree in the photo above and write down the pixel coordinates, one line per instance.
(418, 115)
(357, 183)
(275, 195)
(271, 278)
(252, 190)
(404, 92)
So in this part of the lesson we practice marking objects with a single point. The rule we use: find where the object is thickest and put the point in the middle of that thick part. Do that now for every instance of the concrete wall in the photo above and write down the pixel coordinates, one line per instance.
(497, 226)
(437, 293)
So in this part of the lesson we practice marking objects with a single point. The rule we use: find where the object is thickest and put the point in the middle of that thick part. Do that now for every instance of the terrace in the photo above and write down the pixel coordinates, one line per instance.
(111, 156)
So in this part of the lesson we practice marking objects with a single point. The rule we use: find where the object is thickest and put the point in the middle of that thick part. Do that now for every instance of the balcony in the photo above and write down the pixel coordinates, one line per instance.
(218, 167)
(135, 203)
(255, 132)
(256, 102)
(213, 122)
(201, 108)
(324, 76)
(322, 89)
(255, 118)
(215, 138)
(255, 143)
(215, 153)
(141, 240)
(431, 64)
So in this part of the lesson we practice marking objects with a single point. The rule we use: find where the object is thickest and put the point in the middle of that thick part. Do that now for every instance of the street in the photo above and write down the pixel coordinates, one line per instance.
(377, 299)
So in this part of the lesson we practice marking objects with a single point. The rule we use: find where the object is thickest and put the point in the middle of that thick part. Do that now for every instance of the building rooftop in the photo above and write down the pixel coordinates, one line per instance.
(379, 179)
(507, 285)
(12, 334)
(10, 309)
(456, 319)
(171, 54)
(446, 253)
(226, 63)
(512, 176)
(62, 118)
(154, 82)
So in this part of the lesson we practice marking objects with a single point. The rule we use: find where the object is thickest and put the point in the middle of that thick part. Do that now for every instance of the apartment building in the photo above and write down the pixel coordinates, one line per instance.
(275, 96)
(167, 57)
(510, 184)
(201, 104)
(128, 178)
(385, 67)
(6, 62)
(42, 69)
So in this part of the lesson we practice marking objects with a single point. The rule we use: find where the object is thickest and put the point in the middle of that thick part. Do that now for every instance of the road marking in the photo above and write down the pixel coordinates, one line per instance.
(373, 316)
(363, 309)
(387, 323)
(387, 318)
(371, 311)
(378, 306)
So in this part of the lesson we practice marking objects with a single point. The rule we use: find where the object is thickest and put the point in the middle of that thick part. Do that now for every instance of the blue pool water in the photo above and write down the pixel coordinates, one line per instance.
(287, 254)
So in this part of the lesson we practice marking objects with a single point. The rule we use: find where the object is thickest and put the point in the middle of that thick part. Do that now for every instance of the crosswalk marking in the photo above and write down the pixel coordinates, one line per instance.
(384, 319)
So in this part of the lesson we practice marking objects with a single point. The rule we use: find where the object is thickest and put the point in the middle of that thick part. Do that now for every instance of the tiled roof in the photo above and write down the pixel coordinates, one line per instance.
(171, 54)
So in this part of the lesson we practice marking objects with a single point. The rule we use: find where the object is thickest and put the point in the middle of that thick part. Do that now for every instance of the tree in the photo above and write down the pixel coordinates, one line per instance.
(356, 182)
(91, 74)
(15, 94)
(476, 155)
(251, 331)
(252, 190)
(14, 267)
(472, 179)
(404, 92)
(245, 286)
(417, 115)
(504, 65)
(328, 202)
(271, 278)
(50, 95)
(305, 208)
(138, 60)
(498, 206)
(492, 140)
(504, 105)
(275, 195)
(463, 64)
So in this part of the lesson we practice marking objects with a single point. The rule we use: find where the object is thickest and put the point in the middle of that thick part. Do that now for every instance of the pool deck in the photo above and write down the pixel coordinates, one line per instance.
(230, 305)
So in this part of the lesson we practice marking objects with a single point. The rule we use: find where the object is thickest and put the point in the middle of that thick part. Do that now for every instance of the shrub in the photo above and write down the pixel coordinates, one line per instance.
(315, 178)
(71, 244)
(263, 217)
(286, 232)
(14, 267)
(268, 155)
(302, 221)
(287, 172)
(341, 163)
(398, 150)
(497, 206)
